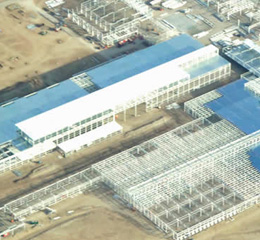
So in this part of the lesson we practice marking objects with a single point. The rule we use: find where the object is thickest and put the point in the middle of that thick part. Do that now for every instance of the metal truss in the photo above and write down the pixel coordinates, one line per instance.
(186, 191)
(168, 151)
(195, 107)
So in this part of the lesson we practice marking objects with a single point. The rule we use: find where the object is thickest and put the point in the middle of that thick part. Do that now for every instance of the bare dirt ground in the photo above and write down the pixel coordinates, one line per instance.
(25, 53)
(246, 226)
(98, 216)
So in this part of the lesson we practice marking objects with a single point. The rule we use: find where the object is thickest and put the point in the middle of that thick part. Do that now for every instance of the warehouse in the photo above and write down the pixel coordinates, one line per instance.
(153, 76)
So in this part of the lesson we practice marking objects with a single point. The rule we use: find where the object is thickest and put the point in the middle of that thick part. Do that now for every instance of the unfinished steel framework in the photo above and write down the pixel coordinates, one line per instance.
(184, 181)
(231, 7)
(111, 21)
(187, 179)
(44, 198)
(52, 194)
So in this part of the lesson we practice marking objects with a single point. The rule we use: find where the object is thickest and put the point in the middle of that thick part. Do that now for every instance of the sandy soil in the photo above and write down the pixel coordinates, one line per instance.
(98, 216)
(246, 226)
(24, 53)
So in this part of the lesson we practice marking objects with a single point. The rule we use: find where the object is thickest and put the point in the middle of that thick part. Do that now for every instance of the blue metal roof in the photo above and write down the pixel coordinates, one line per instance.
(207, 66)
(238, 106)
(27, 107)
(143, 60)
(255, 157)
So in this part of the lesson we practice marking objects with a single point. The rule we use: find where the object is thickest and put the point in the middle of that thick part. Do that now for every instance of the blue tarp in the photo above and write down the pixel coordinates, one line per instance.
(27, 107)
(238, 106)
(143, 60)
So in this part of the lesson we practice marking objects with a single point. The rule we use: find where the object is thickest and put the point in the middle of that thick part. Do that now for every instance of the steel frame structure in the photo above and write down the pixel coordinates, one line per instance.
(195, 107)
(186, 191)
(167, 151)
(52, 194)
(230, 7)
(251, 62)
(184, 181)
(111, 21)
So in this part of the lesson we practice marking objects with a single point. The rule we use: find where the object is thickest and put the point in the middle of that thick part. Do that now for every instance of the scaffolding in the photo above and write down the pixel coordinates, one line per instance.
(111, 21)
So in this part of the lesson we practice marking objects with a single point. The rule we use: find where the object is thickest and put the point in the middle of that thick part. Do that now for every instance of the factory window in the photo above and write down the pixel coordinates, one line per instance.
(99, 115)
(83, 130)
(99, 123)
(37, 141)
(42, 139)
(65, 129)
(48, 136)
(94, 125)
(60, 131)
(107, 112)
(88, 128)
(54, 134)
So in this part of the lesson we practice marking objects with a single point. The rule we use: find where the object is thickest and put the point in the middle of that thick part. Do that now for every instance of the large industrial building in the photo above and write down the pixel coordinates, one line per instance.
(79, 110)
(185, 180)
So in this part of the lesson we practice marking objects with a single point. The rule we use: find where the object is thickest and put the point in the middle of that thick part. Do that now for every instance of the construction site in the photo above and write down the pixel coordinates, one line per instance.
(145, 128)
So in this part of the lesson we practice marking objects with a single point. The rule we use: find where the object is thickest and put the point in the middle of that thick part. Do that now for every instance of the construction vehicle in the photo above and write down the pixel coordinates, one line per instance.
(5, 235)
(33, 222)
(43, 33)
